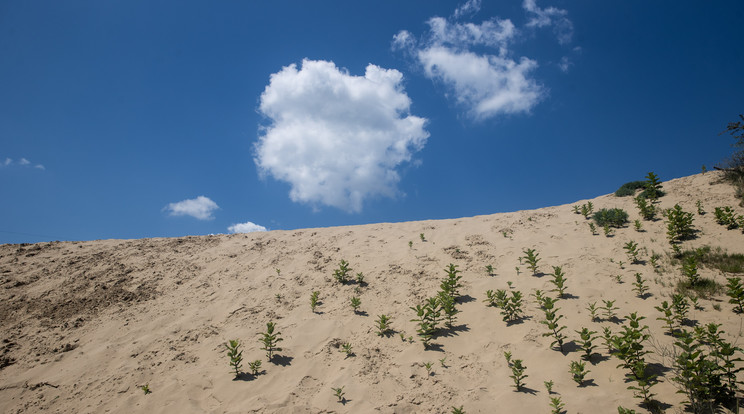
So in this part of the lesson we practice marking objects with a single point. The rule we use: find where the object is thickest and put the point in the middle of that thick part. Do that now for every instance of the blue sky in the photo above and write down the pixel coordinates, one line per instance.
(131, 119)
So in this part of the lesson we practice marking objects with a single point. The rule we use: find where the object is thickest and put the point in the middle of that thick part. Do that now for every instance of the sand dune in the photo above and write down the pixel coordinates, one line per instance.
(86, 324)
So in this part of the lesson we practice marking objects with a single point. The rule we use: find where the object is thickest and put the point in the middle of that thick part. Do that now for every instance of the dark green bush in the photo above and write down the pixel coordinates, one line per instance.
(629, 189)
(614, 217)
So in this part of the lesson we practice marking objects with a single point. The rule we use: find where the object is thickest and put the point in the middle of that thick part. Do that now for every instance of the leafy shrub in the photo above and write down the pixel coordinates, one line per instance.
(383, 325)
(614, 217)
(679, 224)
(653, 187)
(530, 256)
(629, 189)
(518, 370)
(578, 371)
(342, 273)
(646, 208)
(735, 290)
(726, 216)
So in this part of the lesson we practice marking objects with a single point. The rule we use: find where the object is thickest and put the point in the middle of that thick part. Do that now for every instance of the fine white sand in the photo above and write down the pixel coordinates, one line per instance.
(85, 324)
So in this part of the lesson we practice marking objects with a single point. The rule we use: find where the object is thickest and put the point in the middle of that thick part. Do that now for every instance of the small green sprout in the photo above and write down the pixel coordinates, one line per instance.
(314, 300)
(146, 389)
(423, 239)
(346, 349)
(255, 366)
(339, 393)
(355, 302)
(235, 354)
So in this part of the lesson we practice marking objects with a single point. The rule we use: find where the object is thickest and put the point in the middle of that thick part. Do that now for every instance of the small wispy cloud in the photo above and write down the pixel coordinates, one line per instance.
(550, 16)
(474, 60)
(247, 227)
(23, 162)
(200, 208)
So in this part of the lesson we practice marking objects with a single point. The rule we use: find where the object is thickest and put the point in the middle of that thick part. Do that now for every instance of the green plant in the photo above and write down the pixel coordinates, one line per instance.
(557, 406)
(517, 268)
(726, 216)
(314, 300)
(428, 366)
(549, 386)
(559, 281)
(629, 189)
(410, 244)
(668, 317)
(607, 337)
(383, 325)
(427, 319)
(593, 229)
(592, 308)
(551, 322)
(421, 236)
(646, 208)
(518, 370)
(278, 297)
(614, 217)
(346, 348)
(442, 362)
(489, 270)
(654, 259)
(640, 286)
(653, 187)
(607, 230)
(631, 250)
(578, 372)
(699, 206)
(735, 290)
(448, 306)
(609, 309)
(511, 309)
(355, 303)
(681, 306)
(638, 225)
(360, 278)
(457, 410)
(146, 389)
(530, 256)
(623, 410)
(587, 209)
(586, 342)
(629, 348)
(451, 284)
(679, 224)
(339, 393)
(497, 299)
(270, 340)
(235, 354)
(254, 366)
(342, 273)
(689, 270)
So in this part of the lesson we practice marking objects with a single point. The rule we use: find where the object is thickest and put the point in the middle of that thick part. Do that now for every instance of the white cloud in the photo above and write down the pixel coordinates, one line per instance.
(488, 85)
(246, 227)
(200, 208)
(337, 138)
(469, 8)
(565, 64)
(551, 16)
(22, 162)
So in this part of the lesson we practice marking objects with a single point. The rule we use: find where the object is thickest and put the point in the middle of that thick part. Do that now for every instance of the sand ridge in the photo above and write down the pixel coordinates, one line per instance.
(85, 324)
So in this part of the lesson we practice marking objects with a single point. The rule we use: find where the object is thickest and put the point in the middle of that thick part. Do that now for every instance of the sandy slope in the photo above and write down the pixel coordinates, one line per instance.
(84, 324)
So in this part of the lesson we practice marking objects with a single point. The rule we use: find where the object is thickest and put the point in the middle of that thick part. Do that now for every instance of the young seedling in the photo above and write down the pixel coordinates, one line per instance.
(427, 319)
(607, 337)
(146, 389)
(355, 302)
(448, 306)
(638, 226)
(549, 386)
(383, 325)
(457, 410)
(342, 273)
(593, 229)
(640, 286)
(679, 225)
(497, 299)
(339, 393)
(442, 362)
(609, 309)
(586, 340)
(360, 278)
(607, 230)
(646, 208)
(509, 283)
(489, 270)
(681, 306)
(346, 349)
(512, 308)
(592, 308)
(699, 206)
(421, 236)
(631, 249)
(517, 269)
(235, 354)
(278, 297)
(451, 284)
(551, 321)
(314, 300)
(578, 371)
(530, 257)
(689, 269)
(518, 370)
(559, 281)
(428, 366)
(255, 366)
(587, 209)
(668, 317)
(270, 340)
(278, 272)
(557, 405)
(410, 244)
(735, 291)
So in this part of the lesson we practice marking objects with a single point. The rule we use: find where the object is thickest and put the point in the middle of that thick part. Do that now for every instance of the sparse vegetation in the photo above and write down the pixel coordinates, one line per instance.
(235, 354)
(518, 370)
(551, 322)
(578, 372)
(640, 286)
(531, 258)
(270, 340)
(314, 300)
(679, 224)
(383, 325)
(630, 188)
(631, 250)
(559, 281)
(355, 303)
(339, 393)
(342, 273)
